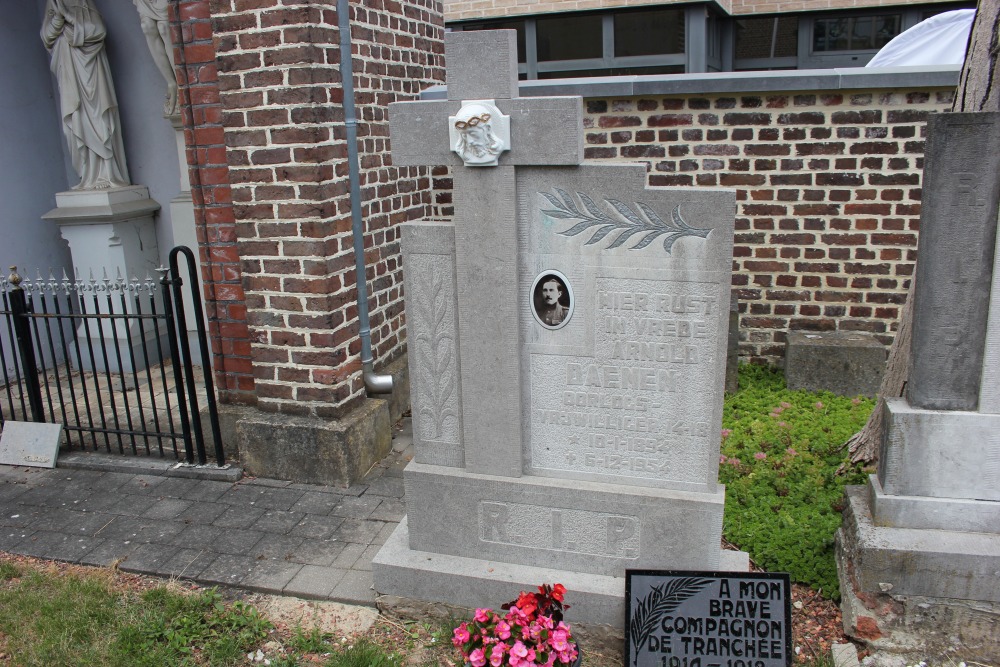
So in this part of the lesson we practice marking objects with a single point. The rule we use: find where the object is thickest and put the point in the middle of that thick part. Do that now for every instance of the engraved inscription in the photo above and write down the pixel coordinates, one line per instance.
(967, 190)
(641, 406)
(576, 531)
(31, 458)
(991, 462)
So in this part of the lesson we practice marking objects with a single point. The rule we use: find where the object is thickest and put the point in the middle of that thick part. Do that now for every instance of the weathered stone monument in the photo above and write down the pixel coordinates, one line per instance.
(107, 221)
(919, 552)
(568, 335)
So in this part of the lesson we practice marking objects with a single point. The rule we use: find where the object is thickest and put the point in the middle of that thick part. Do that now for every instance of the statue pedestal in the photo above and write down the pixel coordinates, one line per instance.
(183, 223)
(112, 238)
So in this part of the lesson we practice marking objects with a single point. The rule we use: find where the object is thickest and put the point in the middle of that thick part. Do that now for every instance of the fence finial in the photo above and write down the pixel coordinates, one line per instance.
(13, 278)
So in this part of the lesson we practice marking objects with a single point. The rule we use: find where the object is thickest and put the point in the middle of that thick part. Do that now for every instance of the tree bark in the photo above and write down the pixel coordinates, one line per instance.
(978, 90)
(979, 85)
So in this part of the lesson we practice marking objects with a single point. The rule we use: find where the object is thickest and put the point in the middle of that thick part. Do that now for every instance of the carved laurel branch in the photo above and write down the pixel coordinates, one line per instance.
(627, 222)
(662, 599)
(437, 342)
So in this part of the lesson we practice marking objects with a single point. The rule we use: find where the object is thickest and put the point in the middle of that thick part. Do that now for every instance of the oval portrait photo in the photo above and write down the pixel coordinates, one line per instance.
(552, 300)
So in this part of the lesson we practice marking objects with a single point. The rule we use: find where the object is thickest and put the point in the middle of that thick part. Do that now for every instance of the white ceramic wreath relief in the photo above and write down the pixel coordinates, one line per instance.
(479, 133)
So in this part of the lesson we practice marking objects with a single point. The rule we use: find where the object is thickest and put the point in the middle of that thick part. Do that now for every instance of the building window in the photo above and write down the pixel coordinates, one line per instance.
(649, 33)
(769, 37)
(569, 37)
(854, 33)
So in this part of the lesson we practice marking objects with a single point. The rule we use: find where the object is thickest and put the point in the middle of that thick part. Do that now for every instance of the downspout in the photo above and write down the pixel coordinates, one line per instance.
(374, 383)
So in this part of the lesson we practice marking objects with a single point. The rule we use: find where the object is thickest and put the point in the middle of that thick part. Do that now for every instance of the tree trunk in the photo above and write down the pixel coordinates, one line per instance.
(978, 90)
(979, 85)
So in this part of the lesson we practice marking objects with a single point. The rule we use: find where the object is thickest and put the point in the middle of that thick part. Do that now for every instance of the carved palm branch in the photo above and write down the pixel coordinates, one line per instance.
(662, 600)
(625, 222)
(437, 342)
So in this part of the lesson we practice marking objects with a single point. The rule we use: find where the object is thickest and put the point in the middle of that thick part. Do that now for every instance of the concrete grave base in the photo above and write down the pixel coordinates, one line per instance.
(917, 592)
(931, 452)
(408, 578)
(314, 450)
(592, 527)
(847, 363)
(977, 516)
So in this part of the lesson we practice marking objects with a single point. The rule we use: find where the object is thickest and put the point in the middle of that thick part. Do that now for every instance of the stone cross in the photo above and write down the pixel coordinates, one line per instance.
(543, 131)
(567, 343)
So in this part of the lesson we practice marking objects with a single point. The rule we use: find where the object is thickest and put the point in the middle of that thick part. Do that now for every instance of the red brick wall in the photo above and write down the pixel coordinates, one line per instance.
(197, 73)
(283, 120)
(828, 195)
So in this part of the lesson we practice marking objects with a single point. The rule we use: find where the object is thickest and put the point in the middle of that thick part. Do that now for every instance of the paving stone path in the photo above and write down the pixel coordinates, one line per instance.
(259, 534)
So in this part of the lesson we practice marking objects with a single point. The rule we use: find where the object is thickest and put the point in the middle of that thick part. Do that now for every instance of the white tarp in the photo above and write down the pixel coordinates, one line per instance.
(940, 40)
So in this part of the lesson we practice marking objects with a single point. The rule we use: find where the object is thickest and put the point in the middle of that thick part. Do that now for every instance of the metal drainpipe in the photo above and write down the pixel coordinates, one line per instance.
(374, 383)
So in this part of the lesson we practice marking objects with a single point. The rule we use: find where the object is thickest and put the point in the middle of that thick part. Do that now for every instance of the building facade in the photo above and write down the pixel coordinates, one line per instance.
(584, 38)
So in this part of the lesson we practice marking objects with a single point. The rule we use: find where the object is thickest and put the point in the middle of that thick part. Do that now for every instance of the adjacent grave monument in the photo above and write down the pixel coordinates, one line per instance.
(919, 552)
(568, 335)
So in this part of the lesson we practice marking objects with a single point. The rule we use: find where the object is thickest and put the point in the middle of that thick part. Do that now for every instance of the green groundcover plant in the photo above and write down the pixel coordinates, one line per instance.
(785, 466)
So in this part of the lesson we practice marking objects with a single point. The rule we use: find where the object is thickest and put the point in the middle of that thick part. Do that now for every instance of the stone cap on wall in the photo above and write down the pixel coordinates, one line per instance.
(847, 78)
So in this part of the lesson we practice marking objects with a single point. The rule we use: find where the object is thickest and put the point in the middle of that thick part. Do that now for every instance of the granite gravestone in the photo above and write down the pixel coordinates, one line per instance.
(927, 529)
(567, 354)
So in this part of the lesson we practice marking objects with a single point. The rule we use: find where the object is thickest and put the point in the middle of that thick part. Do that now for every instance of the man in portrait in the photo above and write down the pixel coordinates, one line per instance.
(551, 311)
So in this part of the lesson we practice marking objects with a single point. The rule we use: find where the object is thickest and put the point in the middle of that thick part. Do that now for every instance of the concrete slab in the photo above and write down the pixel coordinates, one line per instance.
(338, 619)
(270, 576)
(30, 444)
(847, 363)
(314, 582)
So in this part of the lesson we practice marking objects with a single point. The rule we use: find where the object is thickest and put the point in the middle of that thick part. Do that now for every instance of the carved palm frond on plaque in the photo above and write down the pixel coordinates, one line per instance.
(436, 349)
(621, 220)
(661, 600)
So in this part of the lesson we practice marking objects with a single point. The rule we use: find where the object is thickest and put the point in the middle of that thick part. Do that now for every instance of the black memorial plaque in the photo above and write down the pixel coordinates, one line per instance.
(707, 619)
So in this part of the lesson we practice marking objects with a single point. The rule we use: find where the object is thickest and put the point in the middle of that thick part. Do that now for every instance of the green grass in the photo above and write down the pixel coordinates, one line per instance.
(362, 654)
(51, 619)
(781, 451)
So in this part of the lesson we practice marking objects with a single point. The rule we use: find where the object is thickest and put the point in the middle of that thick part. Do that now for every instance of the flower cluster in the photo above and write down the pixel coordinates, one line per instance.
(530, 634)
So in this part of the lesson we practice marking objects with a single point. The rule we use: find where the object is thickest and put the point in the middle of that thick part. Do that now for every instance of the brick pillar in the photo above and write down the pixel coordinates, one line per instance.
(269, 157)
(197, 74)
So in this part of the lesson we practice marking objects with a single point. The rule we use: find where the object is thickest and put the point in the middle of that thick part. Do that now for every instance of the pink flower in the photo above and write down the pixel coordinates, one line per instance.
(461, 635)
(760, 456)
(733, 461)
(522, 656)
(503, 630)
(855, 401)
(722, 458)
(783, 424)
(726, 433)
(496, 656)
(819, 405)
(477, 659)
(791, 452)
(482, 615)
(559, 640)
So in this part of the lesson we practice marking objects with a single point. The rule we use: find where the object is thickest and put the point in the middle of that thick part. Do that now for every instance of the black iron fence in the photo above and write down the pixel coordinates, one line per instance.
(110, 359)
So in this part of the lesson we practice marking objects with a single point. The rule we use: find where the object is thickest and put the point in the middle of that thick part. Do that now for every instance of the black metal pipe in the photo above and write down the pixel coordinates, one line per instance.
(22, 332)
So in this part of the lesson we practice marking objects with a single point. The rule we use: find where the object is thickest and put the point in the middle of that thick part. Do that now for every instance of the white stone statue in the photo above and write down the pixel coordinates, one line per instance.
(73, 32)
(156, 27)
(479, 133)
